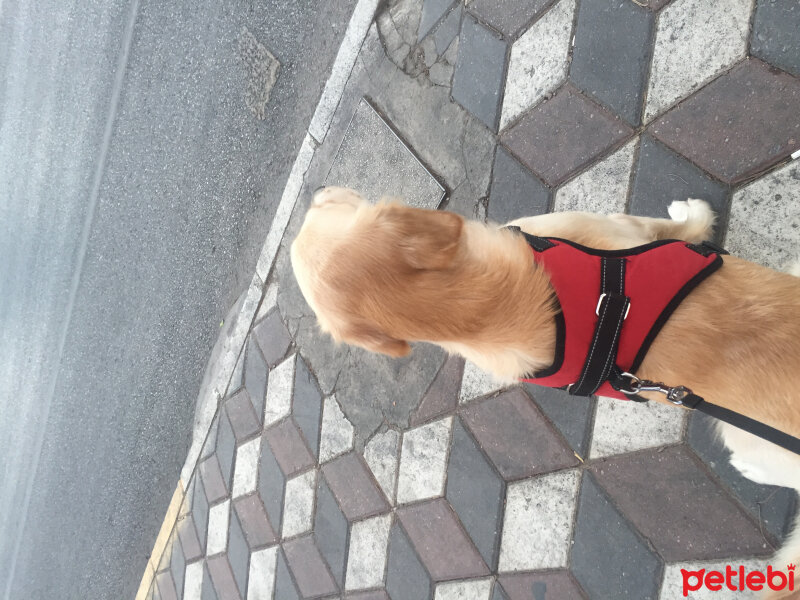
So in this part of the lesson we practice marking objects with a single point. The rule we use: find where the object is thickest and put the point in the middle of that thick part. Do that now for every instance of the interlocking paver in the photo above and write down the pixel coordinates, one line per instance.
(611, 56)
(177, 566)
(337, 433)
(307, 405)
(516, 436)
(254, 521)
(508, 16)
(218, 521)
(273, 338)
(474, 589)
(605, 543)
(539, 61)
(442, 396)
(196, 528)
(659, 491)
(774, 36)
(288, 446)
(382, 455)
(213, 481)
(406, 577)
(222, 578)
(533, 586)
(445, 33)
(352, 485)
(515, 191)
(298, 505)
(261, 580)
(243, 417)
(571, 415)
(475, 491)
(478, 78)
(739, 125)
(245, 472)
(271, 486)
(432, 11)
(309, 569)
(278, 403)
(564, 134)
(255, 375)
(423, 461)
(330, 531)
(366, 561)
(226, 449)
(166, 586)
(661, 176)
(285, 588)
(238, 555)
(444, 547)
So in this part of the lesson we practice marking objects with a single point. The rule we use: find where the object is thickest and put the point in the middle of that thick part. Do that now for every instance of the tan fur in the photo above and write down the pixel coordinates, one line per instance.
(382, 276)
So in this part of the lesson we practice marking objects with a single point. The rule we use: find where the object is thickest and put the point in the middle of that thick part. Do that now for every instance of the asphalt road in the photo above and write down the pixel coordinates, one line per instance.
(136, 189)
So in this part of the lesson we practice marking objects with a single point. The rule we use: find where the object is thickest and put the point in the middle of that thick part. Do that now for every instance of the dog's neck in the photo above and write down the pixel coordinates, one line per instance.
(503, 303)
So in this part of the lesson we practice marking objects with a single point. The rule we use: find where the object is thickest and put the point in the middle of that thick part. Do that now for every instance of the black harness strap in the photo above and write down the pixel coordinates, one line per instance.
(612, 308)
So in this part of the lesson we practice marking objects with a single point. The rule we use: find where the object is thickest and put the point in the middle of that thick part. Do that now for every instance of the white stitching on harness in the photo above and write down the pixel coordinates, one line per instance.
(594, 345)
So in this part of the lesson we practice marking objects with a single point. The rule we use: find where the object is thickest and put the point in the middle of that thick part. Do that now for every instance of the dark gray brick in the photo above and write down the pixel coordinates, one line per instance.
(271, 485)
(199, 513)
(432, 11)
(515, 191)
(226, 448)
(775, 30)
(307, 405)
(177, 566)
(208, 591)
(273, 338)
(242, 416)
(609, 559)
(508, 16)
(478, 78)
(238, 554)
(448, 30)
(612, 53)
(442, 397)
(284, 586)
(774, 506)
(476, 493)
(406, 578)
(571, 415)
(255, 376)
(330, 531)
(661, 176)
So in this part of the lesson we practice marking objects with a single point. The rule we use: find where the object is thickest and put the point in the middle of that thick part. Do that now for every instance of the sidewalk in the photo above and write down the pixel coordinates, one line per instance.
(329, 472)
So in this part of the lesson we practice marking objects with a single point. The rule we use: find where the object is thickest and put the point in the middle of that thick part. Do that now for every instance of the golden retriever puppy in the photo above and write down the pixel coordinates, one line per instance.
(381, 276)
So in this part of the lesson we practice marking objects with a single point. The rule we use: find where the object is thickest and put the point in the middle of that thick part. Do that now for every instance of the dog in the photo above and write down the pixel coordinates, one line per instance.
(381, 276)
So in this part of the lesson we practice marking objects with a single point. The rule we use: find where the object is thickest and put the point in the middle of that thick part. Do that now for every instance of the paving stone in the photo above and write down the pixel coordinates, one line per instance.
(540, 586)
(166, 586)
(539, 61)
(298, 506)
(739, 125)
(243, 418)
(337, 432)
(516, 436)
(571, 415)
(166, 554)
(210, 443)
(273, 338)
(271, 486)
(423, 461)
(478, 78)
(196, 573)
(372, 595)
(284, 586)
(245, 474)
(369, 545)
(238, 555)
(611, 55)
(406, 577)
(476, 493)
(177, 566)
(475, 589)
(309, 569)
(222, 578)
(774, 37)
(765, 219)
(659, 491)
(288, 447)
(218, 519)
(432, 11)
(444, 547)
(372, 155)
(508, 16)
(772, 505)
(263, 564)
(382, 454)
(442, 396)
(353, 487)
(213, 482)
(695, 41)
(330, 531)
(603, 188)
(515, 191)
(655, 4)
(476, 383)
(661, 177)
(199, 518)
(278, 403)
(255, 375)
(605, 543)
(538, 522)
(563, 134)
(307, 405)
(672, 586)
(621, 426)
(448, 30)
(226, 449)
(254, 521)
(268, 302)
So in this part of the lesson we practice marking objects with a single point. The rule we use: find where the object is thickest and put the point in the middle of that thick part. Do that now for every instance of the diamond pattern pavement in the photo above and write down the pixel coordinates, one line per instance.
(329, 472)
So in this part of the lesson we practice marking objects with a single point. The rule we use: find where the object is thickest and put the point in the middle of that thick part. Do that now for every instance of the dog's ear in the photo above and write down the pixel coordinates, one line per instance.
(428, 239)
(374, 340)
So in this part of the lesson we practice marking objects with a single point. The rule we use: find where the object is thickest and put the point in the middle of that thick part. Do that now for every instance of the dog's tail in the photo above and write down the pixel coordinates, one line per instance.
(793, 268)
(695, 216)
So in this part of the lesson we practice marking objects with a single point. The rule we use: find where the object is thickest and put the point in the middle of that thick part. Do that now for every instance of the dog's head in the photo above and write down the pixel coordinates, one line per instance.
(365, 269)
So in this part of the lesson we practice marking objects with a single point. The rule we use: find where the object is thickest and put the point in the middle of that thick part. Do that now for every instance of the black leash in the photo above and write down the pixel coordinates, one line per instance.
(629, 384)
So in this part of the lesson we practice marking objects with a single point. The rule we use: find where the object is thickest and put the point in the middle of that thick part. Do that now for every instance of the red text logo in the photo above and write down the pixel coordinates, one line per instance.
(738, 579)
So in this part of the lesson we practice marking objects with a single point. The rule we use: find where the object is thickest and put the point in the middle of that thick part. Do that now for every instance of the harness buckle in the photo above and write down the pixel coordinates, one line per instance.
(600, 301)
(675, 395)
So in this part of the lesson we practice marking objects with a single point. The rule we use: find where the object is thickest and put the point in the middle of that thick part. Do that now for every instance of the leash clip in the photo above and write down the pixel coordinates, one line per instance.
(635, 386)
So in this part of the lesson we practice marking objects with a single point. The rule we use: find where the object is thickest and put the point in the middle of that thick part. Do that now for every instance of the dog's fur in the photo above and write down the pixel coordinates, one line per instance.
(381, 276)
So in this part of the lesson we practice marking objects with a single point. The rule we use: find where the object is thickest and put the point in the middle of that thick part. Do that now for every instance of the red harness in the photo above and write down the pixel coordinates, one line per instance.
(613, 304)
